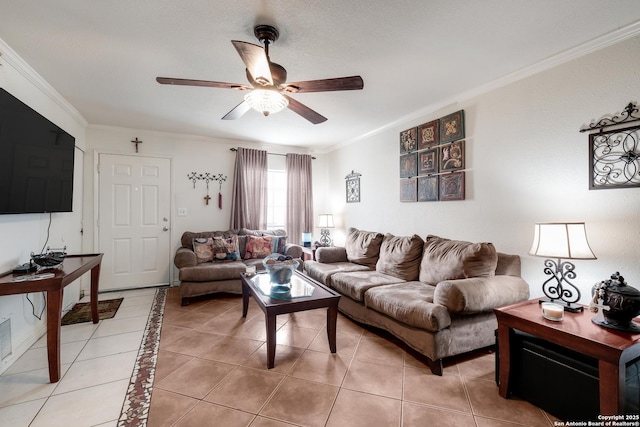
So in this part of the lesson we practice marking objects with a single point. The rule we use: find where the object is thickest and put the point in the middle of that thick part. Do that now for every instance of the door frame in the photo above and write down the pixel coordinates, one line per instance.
(96, 200)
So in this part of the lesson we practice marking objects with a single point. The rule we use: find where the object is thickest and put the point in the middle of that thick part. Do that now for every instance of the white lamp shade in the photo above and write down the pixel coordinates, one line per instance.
(325, 221)
(561, 240)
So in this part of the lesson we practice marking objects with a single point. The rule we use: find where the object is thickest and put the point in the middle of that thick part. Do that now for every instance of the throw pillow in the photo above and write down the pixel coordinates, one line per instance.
(445, 259)
(400, 256)
(258, 247)
(203, 248)
(278, 244)
(363, 247)
(225, 249)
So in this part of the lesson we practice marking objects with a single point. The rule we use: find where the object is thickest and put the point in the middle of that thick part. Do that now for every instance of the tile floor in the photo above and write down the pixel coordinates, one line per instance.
(211, 371)
(97, 362)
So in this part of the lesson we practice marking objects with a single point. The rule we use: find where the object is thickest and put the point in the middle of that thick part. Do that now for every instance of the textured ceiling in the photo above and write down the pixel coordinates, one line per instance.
(103, 56)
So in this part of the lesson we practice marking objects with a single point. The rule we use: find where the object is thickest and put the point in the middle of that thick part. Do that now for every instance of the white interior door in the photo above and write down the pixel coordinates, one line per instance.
(133, 221)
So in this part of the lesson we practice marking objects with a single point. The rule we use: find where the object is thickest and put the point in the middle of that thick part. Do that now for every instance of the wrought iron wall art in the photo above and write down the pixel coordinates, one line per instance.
(432, 168)
(353, 187)
(614, 150)
(207, 178)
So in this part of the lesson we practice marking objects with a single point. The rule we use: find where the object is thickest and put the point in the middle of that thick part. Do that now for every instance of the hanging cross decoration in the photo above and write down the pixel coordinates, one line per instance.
(207, 178)
(136, 141)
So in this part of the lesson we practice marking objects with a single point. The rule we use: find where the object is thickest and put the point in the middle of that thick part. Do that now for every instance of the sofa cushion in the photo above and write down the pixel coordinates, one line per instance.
(354, 284)
(410, 303)
(225, 249)
(400, 256)
(188, 236)
(477, 294)
(203, 248)
(445, 259)
(263, 246)
(323, 272)
(363, 247)
(212, 271)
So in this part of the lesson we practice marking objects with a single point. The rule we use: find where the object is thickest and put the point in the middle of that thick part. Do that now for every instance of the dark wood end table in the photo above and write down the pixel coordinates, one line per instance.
(71, 269)
(305, 294)
(577, 332)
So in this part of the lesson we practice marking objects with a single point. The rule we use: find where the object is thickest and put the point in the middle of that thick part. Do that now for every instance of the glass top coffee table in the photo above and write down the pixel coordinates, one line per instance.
(302, 293)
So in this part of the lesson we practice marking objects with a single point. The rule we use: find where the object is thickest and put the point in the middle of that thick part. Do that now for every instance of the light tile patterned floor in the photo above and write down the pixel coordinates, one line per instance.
(97, 362)
(212, 371)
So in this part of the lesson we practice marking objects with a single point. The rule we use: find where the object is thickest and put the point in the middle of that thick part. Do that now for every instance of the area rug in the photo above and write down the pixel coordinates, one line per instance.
(135, 410)
(81, 312)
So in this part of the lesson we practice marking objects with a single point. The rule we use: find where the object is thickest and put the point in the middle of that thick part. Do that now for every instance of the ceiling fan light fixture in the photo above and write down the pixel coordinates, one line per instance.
(266, 101)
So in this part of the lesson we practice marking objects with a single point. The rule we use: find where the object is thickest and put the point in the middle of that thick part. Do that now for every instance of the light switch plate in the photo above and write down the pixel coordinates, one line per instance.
(182, 211)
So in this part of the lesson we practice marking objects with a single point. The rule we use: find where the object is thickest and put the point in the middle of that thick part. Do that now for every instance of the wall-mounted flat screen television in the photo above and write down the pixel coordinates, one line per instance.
(36, 161)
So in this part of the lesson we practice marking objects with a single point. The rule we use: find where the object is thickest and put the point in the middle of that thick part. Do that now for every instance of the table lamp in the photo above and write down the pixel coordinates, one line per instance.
(325, 222)
(561, 240)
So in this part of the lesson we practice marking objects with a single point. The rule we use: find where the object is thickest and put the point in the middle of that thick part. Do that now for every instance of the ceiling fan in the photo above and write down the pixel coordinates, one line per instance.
(269, 90)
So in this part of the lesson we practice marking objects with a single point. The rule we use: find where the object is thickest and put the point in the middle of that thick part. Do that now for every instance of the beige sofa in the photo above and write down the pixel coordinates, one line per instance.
(211, 261)
(436, 295)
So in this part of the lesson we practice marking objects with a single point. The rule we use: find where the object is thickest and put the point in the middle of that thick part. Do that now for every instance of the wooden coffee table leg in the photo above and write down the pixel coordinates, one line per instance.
(245, 300)
(332, 318)
(271, 340)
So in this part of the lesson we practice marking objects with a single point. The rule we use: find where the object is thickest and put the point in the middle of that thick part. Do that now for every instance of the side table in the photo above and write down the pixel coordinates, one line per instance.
(72, 268)
(309, 254)
(612, 349)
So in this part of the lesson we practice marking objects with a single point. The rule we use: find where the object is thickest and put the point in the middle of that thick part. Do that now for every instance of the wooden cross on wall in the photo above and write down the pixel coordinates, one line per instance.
(136, 141)
(206, 199)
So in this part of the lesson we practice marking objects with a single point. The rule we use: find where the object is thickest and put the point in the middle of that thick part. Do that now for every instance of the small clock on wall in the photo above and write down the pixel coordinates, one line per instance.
(353, 187)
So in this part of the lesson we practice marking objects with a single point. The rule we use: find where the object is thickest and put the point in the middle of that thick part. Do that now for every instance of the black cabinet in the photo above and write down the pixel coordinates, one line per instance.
(561, 381)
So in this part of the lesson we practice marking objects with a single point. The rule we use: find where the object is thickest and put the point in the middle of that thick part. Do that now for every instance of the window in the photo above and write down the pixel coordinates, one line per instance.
(276, 199)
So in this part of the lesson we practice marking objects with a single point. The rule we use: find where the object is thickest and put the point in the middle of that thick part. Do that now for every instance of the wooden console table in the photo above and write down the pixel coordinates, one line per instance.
(612, 349)
(72, 268)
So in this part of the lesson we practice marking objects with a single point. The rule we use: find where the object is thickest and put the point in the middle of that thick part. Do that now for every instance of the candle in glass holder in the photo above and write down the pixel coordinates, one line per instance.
(552, 311)
(250, 270)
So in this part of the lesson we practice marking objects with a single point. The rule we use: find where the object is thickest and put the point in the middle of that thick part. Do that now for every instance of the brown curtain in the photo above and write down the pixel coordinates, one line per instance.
(299, 217)
(249, 197)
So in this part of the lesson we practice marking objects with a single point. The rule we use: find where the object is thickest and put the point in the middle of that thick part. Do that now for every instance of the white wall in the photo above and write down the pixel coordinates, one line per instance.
(188, 154)
(526, 162)
(23, 234)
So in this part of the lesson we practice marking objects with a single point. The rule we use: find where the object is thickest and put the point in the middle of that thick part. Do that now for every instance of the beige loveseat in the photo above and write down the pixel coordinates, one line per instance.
(436, 295)
(211, 261)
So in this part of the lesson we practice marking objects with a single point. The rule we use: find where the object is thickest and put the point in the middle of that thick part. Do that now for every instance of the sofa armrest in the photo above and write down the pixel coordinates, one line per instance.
(185, 257)
(293, 250)
(330, 254)
(479, 294)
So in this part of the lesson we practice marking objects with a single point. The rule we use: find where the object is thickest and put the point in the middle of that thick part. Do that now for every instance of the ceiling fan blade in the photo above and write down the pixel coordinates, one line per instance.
(305, 111)
(237, 112)
(326, 85)
(205, 83)
(256, 61)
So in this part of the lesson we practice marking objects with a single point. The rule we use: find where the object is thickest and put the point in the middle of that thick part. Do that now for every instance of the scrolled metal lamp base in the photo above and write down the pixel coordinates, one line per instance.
(558, 288)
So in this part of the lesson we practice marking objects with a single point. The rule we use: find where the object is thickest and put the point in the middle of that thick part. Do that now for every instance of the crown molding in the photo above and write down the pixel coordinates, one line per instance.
(9, 57)
(583, 49)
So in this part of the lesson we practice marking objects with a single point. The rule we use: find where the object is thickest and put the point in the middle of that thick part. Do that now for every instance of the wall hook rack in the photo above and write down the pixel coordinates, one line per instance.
(207, 177)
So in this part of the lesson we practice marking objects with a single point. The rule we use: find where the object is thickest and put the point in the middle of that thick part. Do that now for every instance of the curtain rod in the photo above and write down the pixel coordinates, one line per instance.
(271, 154)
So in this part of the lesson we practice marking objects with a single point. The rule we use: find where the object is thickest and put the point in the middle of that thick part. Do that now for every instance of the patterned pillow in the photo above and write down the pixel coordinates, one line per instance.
(258, 247)
(203, 248)
(225, 249)
(279, 242)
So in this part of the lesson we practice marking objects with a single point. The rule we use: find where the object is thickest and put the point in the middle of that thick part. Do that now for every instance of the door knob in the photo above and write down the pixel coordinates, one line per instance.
(165, 229)
(165, 219)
